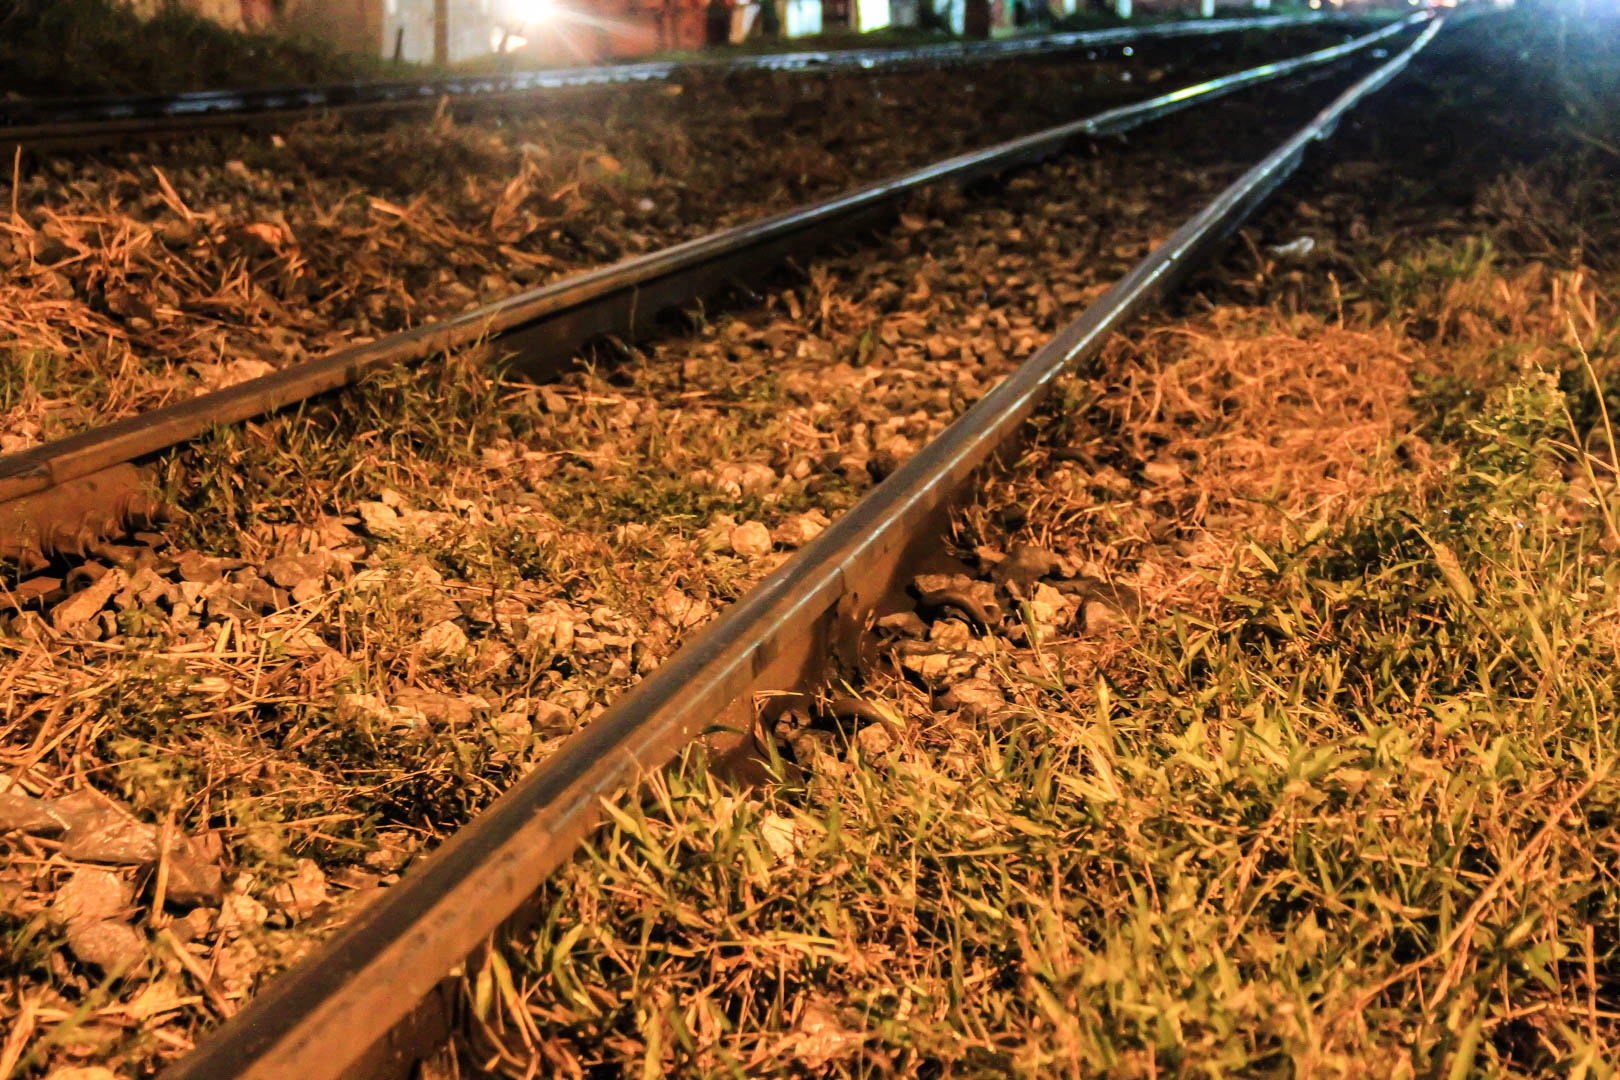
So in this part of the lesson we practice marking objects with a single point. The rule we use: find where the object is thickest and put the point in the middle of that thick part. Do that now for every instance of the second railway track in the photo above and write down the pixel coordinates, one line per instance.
(51, 497)
(142, 279)
(109, 121)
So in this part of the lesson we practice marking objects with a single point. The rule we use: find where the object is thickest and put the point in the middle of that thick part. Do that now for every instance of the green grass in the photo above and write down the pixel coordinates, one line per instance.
(1361, 819)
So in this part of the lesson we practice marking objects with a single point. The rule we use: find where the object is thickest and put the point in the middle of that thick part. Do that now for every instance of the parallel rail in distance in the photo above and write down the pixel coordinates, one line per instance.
(545, 327)
(317, 1020)
(82, 121)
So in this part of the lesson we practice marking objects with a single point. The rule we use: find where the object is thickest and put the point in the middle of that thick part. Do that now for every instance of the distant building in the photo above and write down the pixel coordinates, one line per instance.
(571, 31)
(559, 31)
(351, 25)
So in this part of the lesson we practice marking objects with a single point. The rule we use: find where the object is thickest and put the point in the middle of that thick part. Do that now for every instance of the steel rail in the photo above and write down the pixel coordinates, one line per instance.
(545, 327)
(27, 120)
(317, 1020)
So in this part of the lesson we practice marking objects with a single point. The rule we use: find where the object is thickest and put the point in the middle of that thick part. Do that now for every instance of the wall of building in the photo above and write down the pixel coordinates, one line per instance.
(228, 13)
(585, 32)
(350, 25)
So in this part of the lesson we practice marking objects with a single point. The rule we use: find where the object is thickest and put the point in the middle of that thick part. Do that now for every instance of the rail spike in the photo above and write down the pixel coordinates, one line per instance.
(71, 518)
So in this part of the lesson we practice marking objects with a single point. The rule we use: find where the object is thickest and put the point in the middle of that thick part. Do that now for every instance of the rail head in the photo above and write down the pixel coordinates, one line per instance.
(317, 1020)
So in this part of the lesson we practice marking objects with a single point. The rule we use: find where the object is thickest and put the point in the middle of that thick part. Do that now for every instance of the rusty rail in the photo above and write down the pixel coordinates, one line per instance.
(59, 122)
(356, 1000)
(59, 496)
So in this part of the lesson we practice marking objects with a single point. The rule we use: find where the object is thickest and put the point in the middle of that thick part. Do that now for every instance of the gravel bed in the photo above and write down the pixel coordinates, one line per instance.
(224, 738)
(135, 279)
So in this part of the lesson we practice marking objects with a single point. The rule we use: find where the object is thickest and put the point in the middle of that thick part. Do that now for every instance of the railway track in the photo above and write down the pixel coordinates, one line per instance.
(61, 496)
(780, 643)
(57, 124)
(779, 638)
